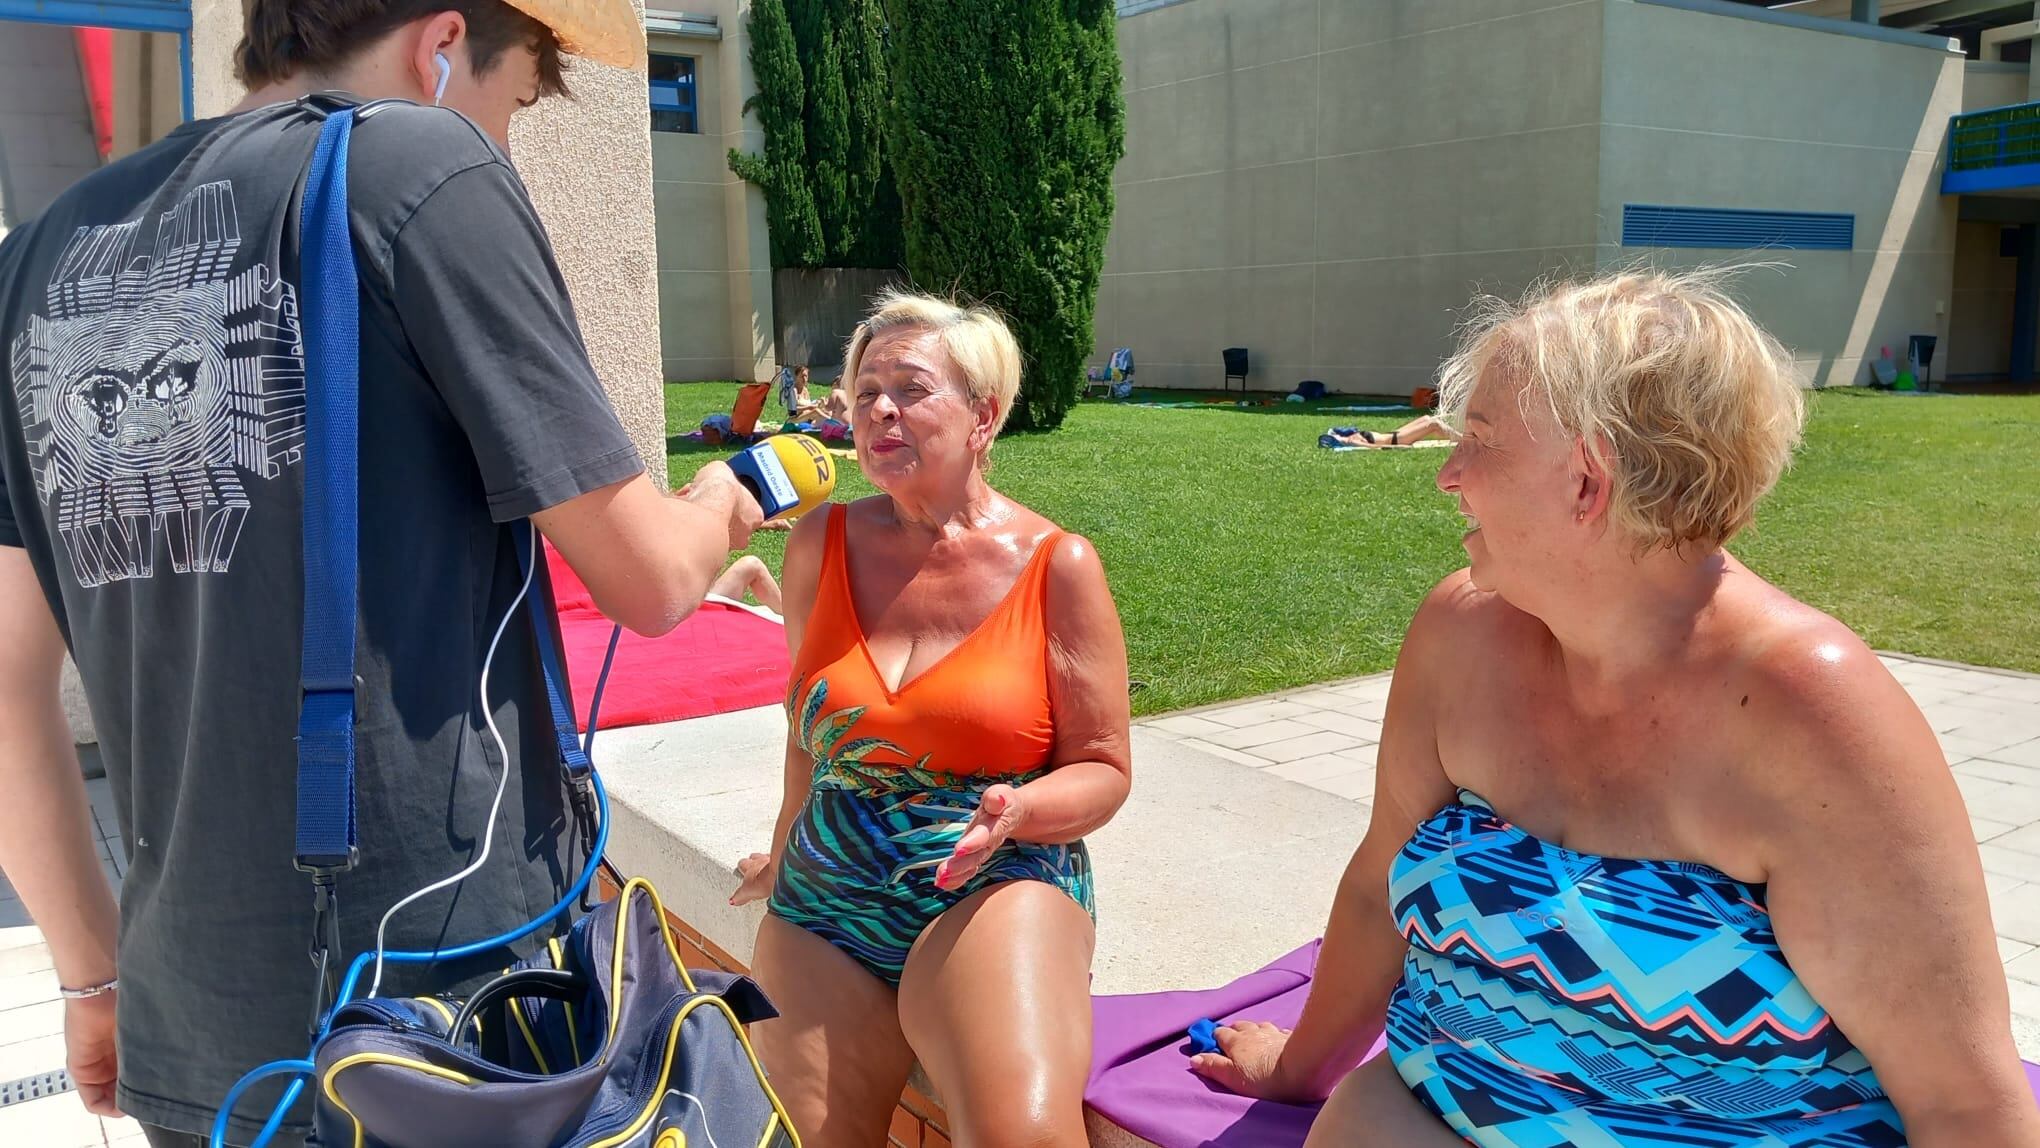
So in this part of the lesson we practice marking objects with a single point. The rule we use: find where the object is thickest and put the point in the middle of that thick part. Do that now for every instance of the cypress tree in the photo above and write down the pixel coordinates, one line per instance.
(782, 170)
(1006, 124)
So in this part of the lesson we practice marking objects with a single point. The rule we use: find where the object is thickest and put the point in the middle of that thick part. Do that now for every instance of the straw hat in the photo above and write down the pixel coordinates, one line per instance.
(606, 31)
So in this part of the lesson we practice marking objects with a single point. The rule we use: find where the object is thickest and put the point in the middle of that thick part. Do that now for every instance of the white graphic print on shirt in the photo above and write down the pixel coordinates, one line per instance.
(152, 384)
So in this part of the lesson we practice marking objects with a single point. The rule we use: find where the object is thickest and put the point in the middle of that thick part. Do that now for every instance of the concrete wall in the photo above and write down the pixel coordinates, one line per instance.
(1993, 85)
(715, 256)
(1980, 314)
(46, 140)
(1328, 182)
(1324, 181)
(1753, 115)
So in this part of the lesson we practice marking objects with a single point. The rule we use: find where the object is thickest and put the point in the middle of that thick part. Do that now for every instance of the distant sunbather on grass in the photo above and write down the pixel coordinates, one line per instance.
(1415, 431)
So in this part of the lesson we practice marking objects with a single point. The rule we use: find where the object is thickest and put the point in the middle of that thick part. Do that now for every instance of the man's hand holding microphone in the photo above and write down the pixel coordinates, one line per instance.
(649, 559)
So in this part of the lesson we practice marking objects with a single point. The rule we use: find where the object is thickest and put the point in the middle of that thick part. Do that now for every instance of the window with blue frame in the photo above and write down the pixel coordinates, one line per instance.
(673, 103)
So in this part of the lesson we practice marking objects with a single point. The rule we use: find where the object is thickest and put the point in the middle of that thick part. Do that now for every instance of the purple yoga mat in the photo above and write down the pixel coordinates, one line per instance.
(1140, 1062)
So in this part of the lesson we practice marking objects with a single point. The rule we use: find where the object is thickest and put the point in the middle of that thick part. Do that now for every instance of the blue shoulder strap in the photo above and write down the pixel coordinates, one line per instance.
(326, 836)
(573, 756)
(332, 318)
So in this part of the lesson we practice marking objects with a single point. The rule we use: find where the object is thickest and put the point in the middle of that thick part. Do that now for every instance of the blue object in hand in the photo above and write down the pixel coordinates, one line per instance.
(1203, 1036)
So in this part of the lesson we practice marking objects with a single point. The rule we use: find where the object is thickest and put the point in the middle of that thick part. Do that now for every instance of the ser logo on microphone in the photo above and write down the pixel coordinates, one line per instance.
(787, 474)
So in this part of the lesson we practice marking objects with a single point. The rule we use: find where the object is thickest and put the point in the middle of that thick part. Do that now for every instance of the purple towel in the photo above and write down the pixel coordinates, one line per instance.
(1140, 1062)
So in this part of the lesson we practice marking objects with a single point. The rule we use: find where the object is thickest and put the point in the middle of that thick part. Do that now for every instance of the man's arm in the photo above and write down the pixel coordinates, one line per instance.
(481, 299)
(647, 558)
(45, 824)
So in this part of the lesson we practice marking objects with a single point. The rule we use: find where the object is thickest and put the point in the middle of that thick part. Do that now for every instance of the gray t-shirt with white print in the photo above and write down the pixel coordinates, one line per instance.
(152, 466)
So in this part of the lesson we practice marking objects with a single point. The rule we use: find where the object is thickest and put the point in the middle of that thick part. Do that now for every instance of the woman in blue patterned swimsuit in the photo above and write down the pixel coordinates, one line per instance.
(1658, 855)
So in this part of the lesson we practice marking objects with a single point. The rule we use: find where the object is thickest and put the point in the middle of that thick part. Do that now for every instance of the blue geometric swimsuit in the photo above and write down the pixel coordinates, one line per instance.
(1553, 998)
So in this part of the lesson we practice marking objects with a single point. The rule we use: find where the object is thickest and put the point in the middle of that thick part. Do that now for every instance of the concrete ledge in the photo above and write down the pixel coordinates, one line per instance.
(1211, 870)
(1183, 873)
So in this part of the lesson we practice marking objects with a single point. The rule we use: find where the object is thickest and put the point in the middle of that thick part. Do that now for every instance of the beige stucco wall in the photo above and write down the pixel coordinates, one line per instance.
(587, 162)
(1325, 182)
(215, 29)
(1753, 115)
(715, 258)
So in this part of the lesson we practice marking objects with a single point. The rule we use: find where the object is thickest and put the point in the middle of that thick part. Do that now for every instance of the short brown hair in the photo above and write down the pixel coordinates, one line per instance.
(283, 38)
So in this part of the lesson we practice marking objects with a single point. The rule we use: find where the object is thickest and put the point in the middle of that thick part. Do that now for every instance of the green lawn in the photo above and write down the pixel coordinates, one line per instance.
(1245, 559)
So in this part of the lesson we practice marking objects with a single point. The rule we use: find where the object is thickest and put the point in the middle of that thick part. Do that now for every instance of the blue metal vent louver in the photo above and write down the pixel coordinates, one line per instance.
(1647, 225)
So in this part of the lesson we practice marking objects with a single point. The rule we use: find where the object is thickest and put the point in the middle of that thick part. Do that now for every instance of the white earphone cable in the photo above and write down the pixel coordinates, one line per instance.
(502, 784)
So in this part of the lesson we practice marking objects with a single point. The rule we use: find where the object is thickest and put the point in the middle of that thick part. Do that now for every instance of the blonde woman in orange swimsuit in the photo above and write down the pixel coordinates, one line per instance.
(958, 723)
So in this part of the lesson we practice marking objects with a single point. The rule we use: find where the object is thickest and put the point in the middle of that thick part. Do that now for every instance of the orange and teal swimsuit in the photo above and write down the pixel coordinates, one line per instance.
(898, 773)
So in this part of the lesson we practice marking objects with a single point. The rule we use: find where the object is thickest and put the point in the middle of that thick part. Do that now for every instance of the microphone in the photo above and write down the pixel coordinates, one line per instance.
(789, 474)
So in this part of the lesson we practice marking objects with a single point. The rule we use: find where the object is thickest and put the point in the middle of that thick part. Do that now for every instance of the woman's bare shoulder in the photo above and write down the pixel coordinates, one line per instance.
(1458, 620)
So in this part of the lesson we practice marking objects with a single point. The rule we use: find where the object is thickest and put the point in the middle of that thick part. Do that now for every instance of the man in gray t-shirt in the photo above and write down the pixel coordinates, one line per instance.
(152, 477)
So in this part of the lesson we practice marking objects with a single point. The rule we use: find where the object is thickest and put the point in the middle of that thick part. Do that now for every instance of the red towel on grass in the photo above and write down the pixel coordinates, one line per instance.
(721, 658)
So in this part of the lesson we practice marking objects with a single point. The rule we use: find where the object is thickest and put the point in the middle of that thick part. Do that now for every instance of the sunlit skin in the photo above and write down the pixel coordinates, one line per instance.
(929, 559)
(1669, 705)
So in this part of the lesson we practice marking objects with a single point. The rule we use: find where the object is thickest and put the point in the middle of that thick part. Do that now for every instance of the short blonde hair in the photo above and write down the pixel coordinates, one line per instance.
(1695, 408)
(975, 338)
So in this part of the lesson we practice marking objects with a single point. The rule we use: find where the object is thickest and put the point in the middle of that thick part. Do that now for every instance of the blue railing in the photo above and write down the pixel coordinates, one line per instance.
(1993, 150)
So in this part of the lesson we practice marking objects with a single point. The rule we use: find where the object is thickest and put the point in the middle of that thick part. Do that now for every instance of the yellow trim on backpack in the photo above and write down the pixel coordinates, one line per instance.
(530, 1039)
(623, 942)
(446, 1011)
(671, 1138)
(345, 1062)
(779, 1115)
(559, 956)
(771, 1126)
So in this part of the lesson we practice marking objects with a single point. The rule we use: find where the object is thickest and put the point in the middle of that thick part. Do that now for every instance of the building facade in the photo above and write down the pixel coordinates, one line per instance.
(1328, 182)
(1323, 182)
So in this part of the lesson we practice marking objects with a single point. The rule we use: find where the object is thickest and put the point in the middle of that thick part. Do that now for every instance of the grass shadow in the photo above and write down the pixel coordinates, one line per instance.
(1258, 403)
(681, 444)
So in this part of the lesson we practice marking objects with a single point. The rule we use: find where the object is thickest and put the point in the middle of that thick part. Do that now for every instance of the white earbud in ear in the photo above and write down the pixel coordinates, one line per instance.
(445, 67)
